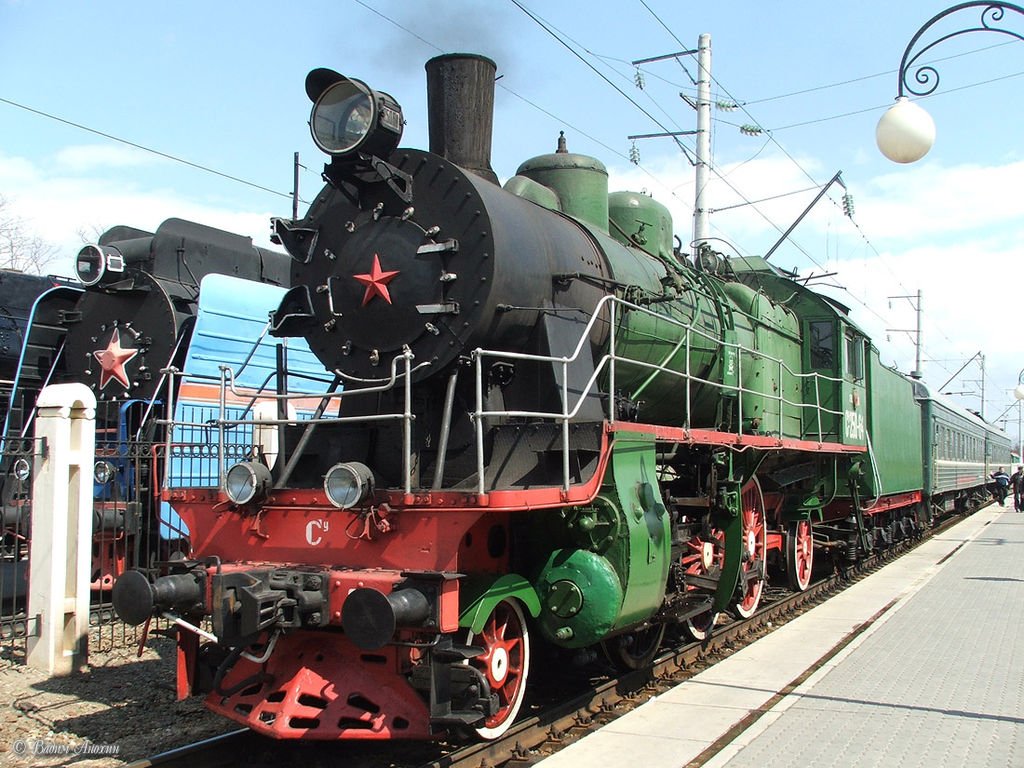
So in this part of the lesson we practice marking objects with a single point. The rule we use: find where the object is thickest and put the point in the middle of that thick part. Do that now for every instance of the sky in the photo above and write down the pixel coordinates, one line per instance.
(131, 113)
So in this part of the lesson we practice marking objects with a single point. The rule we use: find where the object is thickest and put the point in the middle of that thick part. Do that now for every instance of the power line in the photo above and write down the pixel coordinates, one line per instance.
(887, 73)
(886, 106)
(773, 140)
(144, 148)
(403, 28)
(551, 31)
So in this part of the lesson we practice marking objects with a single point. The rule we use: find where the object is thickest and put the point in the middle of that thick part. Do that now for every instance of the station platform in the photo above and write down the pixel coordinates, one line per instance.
(921, 663)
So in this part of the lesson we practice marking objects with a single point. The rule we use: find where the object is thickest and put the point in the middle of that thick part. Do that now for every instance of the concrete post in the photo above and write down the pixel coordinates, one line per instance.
(60, 552)
(701, 215)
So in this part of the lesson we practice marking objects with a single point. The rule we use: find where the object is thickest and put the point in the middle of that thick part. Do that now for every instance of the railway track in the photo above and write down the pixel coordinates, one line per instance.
(551, 725)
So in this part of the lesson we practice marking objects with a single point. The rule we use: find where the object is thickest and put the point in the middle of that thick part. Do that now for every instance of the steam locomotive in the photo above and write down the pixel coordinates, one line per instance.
(19, 362)
(18, 293)
(547, 427)
(145, 302)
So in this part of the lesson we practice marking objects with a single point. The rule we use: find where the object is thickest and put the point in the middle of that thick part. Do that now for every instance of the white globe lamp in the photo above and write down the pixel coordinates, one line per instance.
(906, 132)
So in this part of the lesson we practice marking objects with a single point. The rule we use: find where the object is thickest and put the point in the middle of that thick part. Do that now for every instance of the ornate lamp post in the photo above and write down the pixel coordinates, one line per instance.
(906, 132)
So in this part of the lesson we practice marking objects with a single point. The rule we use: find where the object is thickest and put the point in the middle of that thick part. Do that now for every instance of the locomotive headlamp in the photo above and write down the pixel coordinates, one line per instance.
(102, 472)
(22, 470)
(348, 116)
(246, 481)
(348, 483)
(98, 264)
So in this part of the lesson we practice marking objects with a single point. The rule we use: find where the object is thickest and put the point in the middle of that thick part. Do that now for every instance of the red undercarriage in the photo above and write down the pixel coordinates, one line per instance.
(298, 692)
(316, 684)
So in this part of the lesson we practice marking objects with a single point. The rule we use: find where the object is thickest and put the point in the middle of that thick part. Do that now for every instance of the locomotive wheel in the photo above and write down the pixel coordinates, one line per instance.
(704, 555)
(636, 649)
(699, 627)
(754, 545)
(505, 664)
(799, 554)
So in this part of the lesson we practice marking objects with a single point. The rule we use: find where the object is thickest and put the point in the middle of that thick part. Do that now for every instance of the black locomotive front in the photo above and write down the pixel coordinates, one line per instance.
(142, 290)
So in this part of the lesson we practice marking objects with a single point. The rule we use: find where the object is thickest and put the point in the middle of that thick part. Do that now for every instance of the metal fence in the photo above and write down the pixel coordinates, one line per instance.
(131, 527)
(16, 462)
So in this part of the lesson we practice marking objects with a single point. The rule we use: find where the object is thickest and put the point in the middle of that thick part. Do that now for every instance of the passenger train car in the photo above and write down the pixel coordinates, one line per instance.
(960, 451)
(547, 429)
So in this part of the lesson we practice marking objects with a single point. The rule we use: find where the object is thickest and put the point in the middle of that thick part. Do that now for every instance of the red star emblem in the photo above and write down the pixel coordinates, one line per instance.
(376, 282)
(112, 360)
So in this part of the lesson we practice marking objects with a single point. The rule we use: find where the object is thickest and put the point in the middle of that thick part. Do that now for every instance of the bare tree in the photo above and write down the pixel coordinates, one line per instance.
(20, 249)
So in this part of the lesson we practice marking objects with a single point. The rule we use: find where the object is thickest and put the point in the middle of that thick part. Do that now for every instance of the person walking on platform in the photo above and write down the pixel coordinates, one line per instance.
(1002, 486)
(1017, 483)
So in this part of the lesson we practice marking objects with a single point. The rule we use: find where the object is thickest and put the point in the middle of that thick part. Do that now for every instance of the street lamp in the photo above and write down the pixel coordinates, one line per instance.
(906, 132)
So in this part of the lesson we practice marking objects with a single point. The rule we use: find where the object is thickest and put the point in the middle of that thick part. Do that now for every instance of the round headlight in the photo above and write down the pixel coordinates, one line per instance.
(95, 262)
(246, 481)
(103, 472)
(22, 470)
(348, 483)
(349, 117)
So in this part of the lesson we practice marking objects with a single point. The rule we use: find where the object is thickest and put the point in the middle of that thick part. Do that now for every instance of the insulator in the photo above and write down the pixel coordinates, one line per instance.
(848, 205)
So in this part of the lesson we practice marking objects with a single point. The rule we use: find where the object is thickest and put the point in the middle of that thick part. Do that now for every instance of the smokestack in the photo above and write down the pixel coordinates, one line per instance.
(460, 109)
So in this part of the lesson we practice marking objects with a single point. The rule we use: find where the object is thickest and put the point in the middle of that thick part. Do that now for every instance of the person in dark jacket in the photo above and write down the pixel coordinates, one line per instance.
(1017, 484)
(1002, 486)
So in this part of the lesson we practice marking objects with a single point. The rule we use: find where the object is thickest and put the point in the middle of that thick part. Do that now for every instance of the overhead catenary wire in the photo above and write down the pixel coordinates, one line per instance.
(144, 148)
(646, 110)
(772, 139)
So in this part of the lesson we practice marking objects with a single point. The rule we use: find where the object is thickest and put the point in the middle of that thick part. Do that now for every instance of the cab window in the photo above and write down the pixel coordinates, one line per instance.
(823, 344)
(854, 356)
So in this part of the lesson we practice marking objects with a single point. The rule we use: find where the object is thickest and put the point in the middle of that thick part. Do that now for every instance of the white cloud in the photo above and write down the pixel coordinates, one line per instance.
(66, 210)
(92, 157)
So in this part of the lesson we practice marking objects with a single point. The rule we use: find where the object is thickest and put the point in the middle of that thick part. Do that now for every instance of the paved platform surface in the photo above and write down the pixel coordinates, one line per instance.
(920, 664)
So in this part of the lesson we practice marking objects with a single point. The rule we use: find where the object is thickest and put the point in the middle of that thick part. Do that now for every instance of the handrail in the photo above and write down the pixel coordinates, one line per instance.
(608, 310)
(611, 359)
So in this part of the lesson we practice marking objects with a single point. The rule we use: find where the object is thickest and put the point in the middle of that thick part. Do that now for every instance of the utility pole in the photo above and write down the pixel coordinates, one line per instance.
(702, 159)
(701, 214)
(981, 361)
(295, 187)
(916, 373)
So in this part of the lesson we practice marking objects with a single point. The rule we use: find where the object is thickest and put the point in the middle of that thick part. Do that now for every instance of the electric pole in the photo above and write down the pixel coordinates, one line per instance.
(916, 373)
(701, 159)
(701, 215)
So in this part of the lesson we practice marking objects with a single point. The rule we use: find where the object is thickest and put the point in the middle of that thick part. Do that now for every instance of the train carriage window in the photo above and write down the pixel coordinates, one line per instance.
(823, 344)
